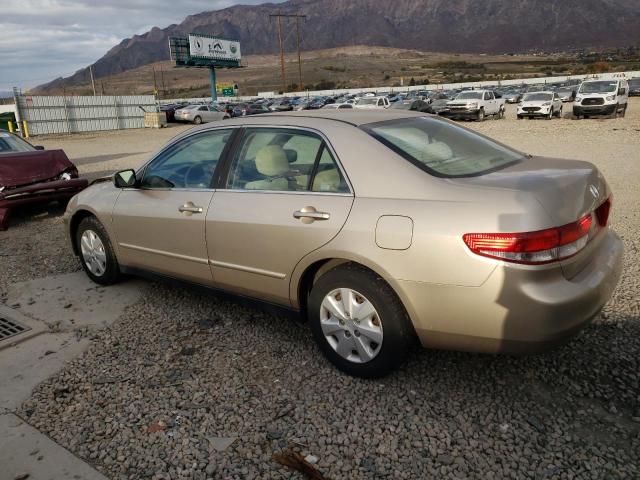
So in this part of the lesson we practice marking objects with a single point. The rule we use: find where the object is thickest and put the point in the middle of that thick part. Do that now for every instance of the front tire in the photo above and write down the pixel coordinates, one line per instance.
(197, 120)
(96, 252)
(358, 322)
(480, 116)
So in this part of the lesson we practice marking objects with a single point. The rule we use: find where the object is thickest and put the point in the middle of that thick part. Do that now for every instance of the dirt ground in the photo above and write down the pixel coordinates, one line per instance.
(190, 371)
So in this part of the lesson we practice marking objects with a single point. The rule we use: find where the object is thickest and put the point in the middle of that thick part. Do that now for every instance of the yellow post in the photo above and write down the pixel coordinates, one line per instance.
(10, 125)
(25, 129)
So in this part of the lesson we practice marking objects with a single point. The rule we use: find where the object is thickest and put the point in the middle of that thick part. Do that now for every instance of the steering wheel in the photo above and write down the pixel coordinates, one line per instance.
(196, 176)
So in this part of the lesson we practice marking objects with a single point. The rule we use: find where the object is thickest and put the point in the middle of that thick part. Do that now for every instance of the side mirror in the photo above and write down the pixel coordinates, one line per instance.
(622, 91)
(38, 147)
(125, 179)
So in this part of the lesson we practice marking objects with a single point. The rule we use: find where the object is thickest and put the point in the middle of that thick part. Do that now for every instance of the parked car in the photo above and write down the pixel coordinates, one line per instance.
(337, 106)
(256, 109)
(475, 105)
(413, 105)
(31, 174)
(372, 103)
(540, 104)
(601, 97)
(170, 110)
(282, 106)
(634, 87)
(512, 96)
(200, 114)
(377, 226)
(566, 94)
(438, 106)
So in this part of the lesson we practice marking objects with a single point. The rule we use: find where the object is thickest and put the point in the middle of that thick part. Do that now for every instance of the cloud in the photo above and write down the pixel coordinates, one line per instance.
(46, 39)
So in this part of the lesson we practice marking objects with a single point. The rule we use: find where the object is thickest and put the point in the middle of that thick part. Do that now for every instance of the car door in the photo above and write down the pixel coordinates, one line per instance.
(490, 104)
(160, 224)
(285, 195)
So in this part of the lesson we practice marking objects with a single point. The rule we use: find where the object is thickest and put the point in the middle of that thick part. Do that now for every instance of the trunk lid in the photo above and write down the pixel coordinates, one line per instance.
(566, 189)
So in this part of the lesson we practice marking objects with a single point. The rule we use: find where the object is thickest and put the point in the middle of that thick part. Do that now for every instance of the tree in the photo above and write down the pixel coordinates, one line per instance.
(412, 82)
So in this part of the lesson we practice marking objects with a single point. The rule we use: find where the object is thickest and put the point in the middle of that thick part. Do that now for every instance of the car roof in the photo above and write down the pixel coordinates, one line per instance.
(354, 117)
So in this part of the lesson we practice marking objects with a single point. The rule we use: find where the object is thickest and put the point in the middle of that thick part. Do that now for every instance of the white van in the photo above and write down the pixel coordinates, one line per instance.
(601, 97)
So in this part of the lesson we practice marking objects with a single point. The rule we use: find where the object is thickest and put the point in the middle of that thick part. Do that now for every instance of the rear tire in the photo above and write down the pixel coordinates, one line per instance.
(96, 252)
(355, 340)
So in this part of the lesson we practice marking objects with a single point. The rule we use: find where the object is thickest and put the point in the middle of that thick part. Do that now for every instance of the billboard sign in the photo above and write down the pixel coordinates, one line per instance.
(215, 48)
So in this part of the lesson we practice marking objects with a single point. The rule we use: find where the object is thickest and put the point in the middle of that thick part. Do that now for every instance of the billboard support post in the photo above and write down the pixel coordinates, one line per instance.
(212, 80)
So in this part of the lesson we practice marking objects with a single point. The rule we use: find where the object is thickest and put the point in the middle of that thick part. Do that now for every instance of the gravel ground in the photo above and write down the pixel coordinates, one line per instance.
(161, 388)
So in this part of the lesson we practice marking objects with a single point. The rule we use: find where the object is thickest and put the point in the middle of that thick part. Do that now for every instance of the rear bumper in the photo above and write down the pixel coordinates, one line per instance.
(593, 110)
(516, 310)
(38, 193)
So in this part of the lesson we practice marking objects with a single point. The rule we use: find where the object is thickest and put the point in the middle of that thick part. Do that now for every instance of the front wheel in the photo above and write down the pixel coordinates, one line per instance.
(559, 114)
(358, 322)
(197, 120)
(96, 253)
(480, 117)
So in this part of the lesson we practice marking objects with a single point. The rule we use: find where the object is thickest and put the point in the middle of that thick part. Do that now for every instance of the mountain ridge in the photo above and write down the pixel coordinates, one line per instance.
(457, 26)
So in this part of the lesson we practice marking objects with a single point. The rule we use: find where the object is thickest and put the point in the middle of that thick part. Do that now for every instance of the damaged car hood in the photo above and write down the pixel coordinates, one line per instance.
(24, 168)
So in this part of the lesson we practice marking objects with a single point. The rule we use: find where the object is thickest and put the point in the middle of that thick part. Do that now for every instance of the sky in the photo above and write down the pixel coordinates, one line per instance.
(46, 39)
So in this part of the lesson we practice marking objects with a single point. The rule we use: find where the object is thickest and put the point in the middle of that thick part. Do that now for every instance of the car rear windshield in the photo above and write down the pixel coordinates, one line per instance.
(12, 144)
(441, 148)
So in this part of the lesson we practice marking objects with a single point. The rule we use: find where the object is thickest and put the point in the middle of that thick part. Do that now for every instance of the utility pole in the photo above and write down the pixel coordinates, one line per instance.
(155, 86)
(300, 83)
(164, 91)
(93, 84)
(297, 16)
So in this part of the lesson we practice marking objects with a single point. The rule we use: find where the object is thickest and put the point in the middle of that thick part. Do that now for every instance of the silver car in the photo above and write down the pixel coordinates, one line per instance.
(200, 114)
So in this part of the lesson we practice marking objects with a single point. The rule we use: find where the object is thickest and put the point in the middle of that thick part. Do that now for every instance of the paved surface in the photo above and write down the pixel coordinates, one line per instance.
(159, 389)
(62, 312)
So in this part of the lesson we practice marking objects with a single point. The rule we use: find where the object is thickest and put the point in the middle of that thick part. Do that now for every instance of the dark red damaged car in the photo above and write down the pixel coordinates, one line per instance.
(31, 174)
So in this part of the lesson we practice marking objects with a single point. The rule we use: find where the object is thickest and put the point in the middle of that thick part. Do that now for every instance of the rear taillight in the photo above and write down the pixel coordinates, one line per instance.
(602, 212)
(543, 246)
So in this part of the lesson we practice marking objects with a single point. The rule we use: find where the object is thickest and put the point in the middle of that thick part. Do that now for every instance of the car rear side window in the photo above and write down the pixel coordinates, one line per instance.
(441, 148)
(275, 159)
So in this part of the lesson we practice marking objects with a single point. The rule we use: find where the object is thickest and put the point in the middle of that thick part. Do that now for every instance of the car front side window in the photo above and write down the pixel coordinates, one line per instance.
(189, 163)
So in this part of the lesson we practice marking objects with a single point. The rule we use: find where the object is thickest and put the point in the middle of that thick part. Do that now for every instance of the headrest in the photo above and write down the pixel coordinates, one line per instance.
(292, 155)
(271, 161)
(327, 181)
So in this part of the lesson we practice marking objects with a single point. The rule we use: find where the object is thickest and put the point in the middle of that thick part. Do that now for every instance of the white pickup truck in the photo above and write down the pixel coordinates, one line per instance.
(475, 105)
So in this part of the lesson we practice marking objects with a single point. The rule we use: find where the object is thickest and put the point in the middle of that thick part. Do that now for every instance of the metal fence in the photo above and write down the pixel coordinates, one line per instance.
(45, 115)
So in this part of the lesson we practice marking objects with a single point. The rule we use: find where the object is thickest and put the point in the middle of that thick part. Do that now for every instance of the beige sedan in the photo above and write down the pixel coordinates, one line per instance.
(380, 227)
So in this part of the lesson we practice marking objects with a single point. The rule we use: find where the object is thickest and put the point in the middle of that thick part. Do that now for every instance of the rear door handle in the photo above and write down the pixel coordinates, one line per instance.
(310, 215)
(189, 208)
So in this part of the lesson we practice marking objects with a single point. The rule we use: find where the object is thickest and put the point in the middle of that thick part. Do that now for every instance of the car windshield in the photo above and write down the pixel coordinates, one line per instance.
(469, 96)
(368, 101)
(538, 97)
(604, 86)
(441, 148)
(12, 144)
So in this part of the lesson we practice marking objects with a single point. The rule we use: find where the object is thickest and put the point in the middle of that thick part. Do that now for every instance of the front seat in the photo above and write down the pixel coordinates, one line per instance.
(272, 162)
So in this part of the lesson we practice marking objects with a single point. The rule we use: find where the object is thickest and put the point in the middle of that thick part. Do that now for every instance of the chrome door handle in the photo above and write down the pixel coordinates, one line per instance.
(310, 214)
(189, 208)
